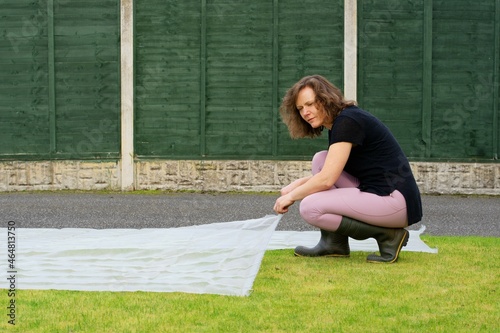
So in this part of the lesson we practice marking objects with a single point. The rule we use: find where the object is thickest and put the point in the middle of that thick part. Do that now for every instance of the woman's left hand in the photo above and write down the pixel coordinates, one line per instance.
(282, 203)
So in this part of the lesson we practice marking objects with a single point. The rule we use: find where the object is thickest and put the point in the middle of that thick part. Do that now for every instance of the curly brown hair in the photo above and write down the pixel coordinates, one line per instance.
(328, 96)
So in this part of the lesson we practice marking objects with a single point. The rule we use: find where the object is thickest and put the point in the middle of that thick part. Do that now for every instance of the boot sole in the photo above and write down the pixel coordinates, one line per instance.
(403, 243)
(325, 255)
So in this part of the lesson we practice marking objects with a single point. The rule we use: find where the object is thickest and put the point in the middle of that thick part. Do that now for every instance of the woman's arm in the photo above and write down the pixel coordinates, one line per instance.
(293, 185)
(337, 156)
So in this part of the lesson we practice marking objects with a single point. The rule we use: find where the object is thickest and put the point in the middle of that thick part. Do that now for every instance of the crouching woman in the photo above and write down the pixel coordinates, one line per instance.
(361, 187)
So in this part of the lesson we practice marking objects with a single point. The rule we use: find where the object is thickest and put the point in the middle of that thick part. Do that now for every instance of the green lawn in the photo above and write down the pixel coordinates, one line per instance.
(456, 290)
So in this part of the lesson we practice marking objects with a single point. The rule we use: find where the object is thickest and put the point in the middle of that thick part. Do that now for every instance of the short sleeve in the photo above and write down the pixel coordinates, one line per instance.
(346, 129)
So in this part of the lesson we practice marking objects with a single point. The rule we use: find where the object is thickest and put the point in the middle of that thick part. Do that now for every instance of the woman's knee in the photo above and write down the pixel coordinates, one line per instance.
(309, 211)
(313, 212)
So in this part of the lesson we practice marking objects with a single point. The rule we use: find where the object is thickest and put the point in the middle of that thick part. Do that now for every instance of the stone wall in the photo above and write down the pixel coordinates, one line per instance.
(218, 175)
(257, 176)
(58, 175)
(457, 178)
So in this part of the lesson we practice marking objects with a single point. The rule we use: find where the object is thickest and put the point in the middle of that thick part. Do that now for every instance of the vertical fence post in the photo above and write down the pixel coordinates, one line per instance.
(350, 49)
(203, 79)
(427, 79)
(275, 60)
(496, 82)
(127, 94)
(52, 80)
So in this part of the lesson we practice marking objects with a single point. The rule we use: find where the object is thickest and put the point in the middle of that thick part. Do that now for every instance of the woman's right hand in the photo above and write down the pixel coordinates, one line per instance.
(282, 203)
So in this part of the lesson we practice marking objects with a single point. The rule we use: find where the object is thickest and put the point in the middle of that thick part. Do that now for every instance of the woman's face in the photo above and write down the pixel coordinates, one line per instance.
(312, 112)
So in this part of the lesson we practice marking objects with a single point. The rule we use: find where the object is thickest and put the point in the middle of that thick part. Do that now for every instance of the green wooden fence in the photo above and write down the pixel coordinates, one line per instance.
(59, 87)
(430, 70)
(210, 74)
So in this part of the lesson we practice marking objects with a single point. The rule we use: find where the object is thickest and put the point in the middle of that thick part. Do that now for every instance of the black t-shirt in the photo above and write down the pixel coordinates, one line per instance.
(376, 158)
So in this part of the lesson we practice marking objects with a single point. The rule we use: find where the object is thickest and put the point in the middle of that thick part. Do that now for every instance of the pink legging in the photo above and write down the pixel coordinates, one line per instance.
(325, 209)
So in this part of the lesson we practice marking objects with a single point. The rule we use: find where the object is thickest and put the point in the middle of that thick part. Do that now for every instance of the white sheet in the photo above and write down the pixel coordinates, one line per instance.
(218, 258)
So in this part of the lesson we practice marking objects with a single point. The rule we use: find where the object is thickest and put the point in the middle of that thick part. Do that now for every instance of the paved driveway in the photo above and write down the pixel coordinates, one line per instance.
(443, 215)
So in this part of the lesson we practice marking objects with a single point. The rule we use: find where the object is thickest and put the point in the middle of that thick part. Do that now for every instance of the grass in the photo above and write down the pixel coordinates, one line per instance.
(453, 291)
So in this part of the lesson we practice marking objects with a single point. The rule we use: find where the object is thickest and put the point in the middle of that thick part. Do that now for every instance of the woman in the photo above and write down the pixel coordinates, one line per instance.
(362, 187)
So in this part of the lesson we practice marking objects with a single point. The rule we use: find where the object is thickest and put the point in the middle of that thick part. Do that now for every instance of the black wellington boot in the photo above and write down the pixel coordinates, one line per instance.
(389, 240)
(331, 244)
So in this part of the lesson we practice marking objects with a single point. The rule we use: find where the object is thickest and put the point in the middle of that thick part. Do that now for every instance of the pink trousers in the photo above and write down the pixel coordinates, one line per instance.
(325, 209)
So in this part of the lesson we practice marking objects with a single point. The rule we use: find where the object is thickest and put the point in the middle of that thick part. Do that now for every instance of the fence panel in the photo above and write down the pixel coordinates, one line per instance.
(87, 79)
(24, 123)
(391, 67)
(463, 79)
(429, 70)
(168, 81)
(311, 41)
(210, 75)
(239, 74)
(59, 93)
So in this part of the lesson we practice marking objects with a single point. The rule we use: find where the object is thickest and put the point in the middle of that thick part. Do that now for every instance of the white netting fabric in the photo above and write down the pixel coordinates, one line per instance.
(218, 258)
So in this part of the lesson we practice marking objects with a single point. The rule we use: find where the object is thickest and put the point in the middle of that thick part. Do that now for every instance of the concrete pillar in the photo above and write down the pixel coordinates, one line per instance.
(127, 95)
(350, 48)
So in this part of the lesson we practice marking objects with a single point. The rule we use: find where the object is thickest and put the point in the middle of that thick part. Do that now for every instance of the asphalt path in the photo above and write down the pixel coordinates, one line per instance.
(443, 215)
